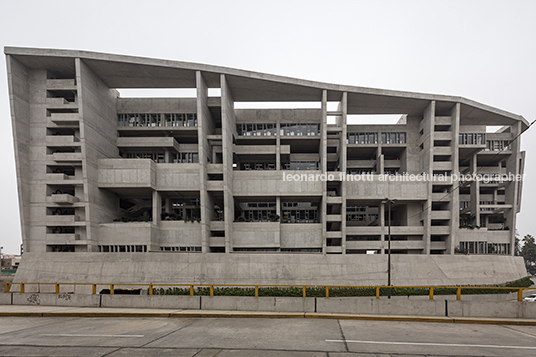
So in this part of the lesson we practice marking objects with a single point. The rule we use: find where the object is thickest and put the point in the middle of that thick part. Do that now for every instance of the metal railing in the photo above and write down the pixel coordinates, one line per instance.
(377, 288)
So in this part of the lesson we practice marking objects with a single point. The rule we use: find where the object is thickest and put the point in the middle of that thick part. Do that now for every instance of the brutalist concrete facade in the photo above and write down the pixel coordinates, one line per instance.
(101, 173)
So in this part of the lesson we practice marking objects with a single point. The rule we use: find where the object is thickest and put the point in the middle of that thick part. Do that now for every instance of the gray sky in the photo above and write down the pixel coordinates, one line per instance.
(481, 50)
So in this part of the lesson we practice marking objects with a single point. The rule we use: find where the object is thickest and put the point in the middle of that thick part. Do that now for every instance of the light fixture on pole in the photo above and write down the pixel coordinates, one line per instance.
(390, 203)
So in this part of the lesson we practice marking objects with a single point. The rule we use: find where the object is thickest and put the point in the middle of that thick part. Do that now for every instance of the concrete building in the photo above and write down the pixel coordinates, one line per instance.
(100, 173)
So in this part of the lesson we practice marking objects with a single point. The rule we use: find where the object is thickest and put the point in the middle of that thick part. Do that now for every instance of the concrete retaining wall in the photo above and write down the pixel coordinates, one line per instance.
(153, 302)
(62, 299)
(284, 269)
(342, 305)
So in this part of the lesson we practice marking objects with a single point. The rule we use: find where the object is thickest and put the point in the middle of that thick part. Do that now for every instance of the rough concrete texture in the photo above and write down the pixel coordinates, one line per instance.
(381, 306)
(295, 269)
(155, 301)
(5, 299)
(277, 304)
(61, 299)
(347, 305)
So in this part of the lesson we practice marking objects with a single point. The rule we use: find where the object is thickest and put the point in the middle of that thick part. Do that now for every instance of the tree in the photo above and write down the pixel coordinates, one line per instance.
(517, 246)
(528, 252)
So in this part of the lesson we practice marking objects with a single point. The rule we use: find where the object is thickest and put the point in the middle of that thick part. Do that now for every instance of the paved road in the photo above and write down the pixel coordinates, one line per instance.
(223, 337)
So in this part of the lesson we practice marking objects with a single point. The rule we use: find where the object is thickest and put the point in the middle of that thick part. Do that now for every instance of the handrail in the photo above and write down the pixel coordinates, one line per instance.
(151, 286)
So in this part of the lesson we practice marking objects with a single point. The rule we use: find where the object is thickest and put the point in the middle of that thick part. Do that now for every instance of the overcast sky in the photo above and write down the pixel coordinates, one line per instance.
(481, 50)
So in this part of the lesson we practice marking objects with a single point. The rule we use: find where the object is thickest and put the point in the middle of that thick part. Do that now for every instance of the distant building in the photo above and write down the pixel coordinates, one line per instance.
(101, 173)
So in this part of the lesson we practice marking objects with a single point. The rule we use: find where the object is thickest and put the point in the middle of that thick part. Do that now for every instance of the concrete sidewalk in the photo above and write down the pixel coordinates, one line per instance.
(58, 311)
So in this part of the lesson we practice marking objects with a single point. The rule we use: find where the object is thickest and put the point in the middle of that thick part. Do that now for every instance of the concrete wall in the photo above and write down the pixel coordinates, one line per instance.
(251, 183)
(256, 234)
(283, 268)
(343, 305)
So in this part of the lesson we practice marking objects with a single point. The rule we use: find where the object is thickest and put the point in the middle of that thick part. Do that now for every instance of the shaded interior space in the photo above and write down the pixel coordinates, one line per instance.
(394, 160)
(404, 214)
(362, 160)
(359, 213)
(256, 209)
(180, 205)
(254, 162)
(301, 210)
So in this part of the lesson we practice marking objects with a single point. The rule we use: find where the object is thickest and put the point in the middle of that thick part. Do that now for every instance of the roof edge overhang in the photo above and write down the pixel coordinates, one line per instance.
(107, 57)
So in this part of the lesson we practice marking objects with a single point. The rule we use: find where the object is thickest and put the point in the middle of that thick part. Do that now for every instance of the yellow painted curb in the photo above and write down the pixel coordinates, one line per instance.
(469, 320)
(378, 317)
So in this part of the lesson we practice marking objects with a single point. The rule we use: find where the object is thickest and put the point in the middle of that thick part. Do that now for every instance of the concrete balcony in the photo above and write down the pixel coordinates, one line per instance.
(179, 233)
(63, 84)
(365, 230)
(178, 177)
(258, 149)
(442, 165)
(443, 120)
(333, 157)
(391, 164)
(334, 199)
(60, 219)
(334, 250)
(336, 175)
(371, 187)
(131, 233)
(438, 246)
(66, 156)
(157, 142)
(485, 235)
(334, 217)
(301, 235)
(440, 230)
(256, 234)
(65, 118)
(217, 225)
(216, 242)
(62, 199)
(443, 135)
(365, 245)
(117, 173)
(63, 179)
(443, 150)
(406, 230)
(57, 177)
(214, 185)
(441, 215)
(215, 168)
(62, 140)
(64, 239)
(361, 163)
(407, 244)
(60, 103)
(253, 183)
(440, 197)
(336, 234)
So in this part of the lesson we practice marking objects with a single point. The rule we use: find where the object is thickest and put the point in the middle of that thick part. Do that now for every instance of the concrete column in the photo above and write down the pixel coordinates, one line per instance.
(278, 146)
(323, 167)
(475, 191)
(167, 156)
(343, 162)
(455, 197)
(168, 205)
(157, 207)
(427, 155)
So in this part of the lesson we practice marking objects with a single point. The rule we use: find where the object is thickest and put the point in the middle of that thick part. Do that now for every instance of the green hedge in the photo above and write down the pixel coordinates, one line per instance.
(341, 292)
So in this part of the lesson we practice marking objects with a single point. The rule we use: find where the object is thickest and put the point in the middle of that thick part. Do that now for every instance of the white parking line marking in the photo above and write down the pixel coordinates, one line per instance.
(433, 344)
(80, 335)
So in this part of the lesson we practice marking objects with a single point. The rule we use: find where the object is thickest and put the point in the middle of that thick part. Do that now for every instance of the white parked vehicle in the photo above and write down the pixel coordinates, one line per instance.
(530, 298)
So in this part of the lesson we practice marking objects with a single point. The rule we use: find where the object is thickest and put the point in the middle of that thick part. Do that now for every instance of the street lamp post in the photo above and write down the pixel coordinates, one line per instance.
(389, 203)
